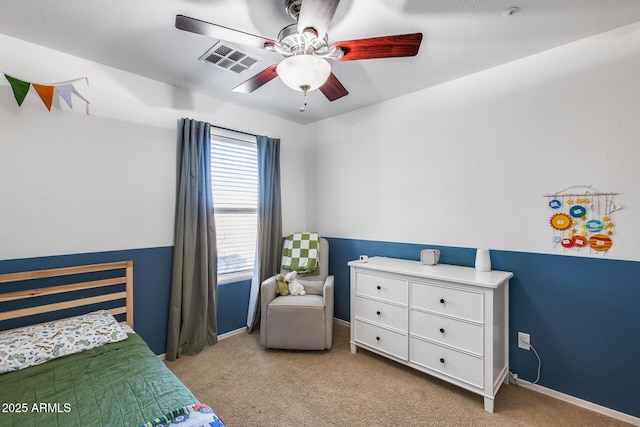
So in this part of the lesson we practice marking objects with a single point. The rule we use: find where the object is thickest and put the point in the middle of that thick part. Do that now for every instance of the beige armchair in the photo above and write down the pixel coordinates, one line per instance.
(300, 322)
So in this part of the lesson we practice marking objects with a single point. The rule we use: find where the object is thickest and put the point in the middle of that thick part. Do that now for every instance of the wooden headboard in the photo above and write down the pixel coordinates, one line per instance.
(126, 295)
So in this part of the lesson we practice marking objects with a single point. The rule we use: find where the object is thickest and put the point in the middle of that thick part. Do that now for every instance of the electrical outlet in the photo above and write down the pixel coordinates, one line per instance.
(524, 341)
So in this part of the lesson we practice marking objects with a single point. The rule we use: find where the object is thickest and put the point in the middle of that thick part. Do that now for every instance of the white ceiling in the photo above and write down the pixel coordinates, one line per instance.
(461, 37)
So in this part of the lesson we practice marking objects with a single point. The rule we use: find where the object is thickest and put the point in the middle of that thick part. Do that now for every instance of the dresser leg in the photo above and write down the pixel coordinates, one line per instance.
(488, 404)
(354, 348)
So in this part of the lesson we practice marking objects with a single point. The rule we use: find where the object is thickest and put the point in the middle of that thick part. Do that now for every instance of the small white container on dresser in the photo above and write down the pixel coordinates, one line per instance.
(449, 321)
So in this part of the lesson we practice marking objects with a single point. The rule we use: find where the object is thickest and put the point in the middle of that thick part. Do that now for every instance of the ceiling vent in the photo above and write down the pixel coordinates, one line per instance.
(229, 57)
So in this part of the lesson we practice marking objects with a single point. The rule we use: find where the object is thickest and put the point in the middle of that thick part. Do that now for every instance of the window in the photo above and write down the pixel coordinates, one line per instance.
(234, 182)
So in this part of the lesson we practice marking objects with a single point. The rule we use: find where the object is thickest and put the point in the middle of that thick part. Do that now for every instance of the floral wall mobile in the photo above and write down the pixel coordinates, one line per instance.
(582, 217)
(46, 92)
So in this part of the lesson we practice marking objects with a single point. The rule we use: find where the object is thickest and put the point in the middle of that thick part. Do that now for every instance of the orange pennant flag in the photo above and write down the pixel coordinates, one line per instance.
(46, 94)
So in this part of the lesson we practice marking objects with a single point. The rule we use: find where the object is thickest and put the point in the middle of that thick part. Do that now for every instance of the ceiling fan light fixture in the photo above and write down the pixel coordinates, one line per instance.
(304, 72)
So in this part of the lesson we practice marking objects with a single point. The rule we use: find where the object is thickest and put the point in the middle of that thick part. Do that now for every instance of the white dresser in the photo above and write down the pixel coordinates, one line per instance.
(449, 321)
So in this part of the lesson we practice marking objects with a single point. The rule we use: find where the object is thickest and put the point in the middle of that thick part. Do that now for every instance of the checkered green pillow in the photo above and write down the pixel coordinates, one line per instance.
(300, 253)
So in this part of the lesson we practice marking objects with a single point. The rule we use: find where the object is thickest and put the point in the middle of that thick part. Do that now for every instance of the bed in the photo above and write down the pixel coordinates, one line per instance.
(89, 369)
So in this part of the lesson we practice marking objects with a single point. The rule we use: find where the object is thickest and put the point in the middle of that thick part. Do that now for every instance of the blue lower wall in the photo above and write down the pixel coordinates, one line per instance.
(151, 277)
(583, 315)
(152, 269)
(233, 303)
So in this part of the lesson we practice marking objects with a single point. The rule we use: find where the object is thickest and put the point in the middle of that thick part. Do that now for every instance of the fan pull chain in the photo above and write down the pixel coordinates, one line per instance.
(304, 88)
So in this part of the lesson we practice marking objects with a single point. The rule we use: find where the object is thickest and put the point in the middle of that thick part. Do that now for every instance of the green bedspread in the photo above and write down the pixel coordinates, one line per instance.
(119, 384)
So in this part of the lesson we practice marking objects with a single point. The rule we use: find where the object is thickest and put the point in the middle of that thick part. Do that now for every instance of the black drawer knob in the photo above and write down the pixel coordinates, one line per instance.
(377, 338)
(442, 330)
(378, 313)
(378, 287)
(441, 300)
(441, 360)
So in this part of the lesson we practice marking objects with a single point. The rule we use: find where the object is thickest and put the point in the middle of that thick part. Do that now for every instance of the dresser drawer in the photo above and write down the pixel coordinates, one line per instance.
(383, 287)
(461, 366)
(456, 333)
(449, 301)
(381, 339)
(380, 312)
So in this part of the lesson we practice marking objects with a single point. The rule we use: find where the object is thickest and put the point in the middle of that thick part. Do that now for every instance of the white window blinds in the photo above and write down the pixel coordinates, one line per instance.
(234, 179)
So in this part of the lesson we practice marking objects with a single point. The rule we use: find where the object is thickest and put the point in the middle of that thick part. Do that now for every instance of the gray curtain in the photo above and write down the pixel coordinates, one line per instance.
(192, 310)
(269, 241)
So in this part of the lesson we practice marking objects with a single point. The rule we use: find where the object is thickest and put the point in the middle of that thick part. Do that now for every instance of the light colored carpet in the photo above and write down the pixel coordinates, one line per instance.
(250, 386)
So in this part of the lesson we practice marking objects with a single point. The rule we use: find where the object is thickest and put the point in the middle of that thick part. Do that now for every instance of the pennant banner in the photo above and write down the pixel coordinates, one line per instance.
(79, 87)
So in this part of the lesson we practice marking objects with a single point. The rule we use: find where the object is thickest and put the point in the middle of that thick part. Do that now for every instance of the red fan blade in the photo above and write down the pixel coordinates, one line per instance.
(380, 47)
(264, 76)
(316, 14)
(219, 32)
(333, 89)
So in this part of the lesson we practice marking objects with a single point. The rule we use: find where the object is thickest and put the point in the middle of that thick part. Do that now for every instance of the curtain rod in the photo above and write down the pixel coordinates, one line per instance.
(234, 130)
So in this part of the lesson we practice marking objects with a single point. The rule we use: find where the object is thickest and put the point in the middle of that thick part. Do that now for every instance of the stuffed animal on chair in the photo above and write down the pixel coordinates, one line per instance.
(295, 287)
(282, 287)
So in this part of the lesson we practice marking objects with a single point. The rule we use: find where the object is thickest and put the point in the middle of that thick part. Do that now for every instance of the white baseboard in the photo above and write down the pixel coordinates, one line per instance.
(232, 333)
(342, 322)
(220, 337)
(579, 402)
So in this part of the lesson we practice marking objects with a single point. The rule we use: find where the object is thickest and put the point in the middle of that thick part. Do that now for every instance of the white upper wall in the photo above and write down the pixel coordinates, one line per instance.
(72, 183)
(467, 163)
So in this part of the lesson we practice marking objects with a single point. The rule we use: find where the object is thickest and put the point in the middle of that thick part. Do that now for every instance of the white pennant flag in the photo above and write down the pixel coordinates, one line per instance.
(65, 92)
(81, 88)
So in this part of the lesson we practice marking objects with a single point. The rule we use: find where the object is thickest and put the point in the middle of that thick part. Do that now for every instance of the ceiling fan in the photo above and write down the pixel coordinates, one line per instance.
(306, 48)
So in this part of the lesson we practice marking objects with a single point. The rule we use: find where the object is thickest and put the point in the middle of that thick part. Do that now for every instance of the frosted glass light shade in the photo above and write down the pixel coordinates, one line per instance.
(303, 70)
